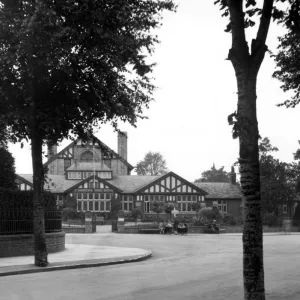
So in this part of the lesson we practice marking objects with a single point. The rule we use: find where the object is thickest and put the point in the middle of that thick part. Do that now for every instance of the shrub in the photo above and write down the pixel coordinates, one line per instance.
(210, 213)
(270, 219)
(15, 199)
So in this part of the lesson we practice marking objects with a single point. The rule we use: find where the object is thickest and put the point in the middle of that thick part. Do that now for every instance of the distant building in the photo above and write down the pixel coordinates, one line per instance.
(95, 176)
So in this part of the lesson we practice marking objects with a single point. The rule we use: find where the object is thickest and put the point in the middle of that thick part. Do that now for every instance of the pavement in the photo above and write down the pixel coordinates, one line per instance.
(75, 256)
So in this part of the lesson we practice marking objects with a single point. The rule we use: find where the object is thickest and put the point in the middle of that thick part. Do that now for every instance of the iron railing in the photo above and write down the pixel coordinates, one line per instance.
(21, 221)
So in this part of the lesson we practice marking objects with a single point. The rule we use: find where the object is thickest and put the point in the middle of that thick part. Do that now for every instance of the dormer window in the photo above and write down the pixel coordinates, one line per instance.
(87, 156)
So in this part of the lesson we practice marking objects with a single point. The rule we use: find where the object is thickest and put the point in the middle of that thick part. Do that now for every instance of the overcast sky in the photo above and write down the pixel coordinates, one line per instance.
(196, 92)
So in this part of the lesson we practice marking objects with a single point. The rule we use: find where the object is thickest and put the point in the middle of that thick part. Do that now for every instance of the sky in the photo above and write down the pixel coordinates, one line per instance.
(196, 91)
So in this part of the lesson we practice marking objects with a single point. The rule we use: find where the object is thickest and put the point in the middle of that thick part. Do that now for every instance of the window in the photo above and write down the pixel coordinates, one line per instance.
(127, 202)
(93, 202)
(74, 175)
(222, 205)
(67, 163)
(185, 202)
(22, 186)
(87, 156)
(147, 204)
(104, 175)
(285, 210)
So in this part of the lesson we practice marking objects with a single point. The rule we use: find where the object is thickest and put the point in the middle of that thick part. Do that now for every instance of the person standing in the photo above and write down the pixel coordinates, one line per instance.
(175, 225)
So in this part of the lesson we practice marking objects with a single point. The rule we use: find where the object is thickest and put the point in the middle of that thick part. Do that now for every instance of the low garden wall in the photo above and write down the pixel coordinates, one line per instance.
(23, 244)
(201, 229)
(74, 229)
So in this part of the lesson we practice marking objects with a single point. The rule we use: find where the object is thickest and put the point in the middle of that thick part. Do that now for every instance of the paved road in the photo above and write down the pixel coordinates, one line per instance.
(183, 267)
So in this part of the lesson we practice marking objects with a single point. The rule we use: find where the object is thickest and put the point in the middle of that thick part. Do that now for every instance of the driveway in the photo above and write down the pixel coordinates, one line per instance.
(182, 267)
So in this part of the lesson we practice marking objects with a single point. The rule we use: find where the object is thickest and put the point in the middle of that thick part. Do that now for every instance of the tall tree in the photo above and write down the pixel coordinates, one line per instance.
(152, 164)
(64, 67)
(214, 175)
(7, 167)
(277, 184)
(246, 63)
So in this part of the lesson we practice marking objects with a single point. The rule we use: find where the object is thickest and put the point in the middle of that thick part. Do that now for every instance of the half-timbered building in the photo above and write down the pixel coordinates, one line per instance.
(96, 177)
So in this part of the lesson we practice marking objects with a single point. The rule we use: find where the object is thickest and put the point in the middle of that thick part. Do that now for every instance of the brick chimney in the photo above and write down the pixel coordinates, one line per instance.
(232, 176)
(122, 144)
(51, 150)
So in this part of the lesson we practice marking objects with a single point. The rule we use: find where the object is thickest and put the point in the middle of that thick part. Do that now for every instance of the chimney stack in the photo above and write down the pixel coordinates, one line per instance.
(122, 144)
(232, 176)
(51, 150)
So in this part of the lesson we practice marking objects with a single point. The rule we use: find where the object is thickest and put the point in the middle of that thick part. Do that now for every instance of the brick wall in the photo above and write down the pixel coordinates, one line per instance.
(74, 229)
(23, 244)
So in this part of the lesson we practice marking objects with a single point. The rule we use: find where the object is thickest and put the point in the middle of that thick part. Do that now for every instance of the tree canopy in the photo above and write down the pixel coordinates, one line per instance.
(67, 66)
(277, 182)
(214, 175)
(7, 167)
(76, 66)
(152, 164)
(287, 58)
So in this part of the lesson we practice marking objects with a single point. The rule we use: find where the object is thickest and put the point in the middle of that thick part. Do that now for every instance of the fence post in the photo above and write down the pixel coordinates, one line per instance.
(88, 222)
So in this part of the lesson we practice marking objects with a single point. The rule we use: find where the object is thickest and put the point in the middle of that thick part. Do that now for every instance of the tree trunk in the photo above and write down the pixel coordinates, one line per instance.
(253, 270)
(40, 248)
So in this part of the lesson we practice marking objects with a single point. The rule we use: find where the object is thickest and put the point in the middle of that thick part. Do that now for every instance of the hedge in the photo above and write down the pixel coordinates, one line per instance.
(19, 200)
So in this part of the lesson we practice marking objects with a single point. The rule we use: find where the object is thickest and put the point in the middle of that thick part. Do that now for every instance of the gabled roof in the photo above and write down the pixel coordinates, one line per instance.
(132, 183)
(26, 178)
(108, 183)
(101, 144)
(219, 190)
(153, 182)
(55, 184)
(88, 166)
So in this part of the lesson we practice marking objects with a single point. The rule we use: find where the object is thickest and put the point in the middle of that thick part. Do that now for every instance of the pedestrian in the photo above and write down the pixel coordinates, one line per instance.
(161, 228)
(175, 225)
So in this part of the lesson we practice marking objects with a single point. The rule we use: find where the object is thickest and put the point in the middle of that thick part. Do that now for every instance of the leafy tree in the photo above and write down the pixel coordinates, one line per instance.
(152, 164)
(210, 213)
(168, 209)
(65, 69)
(196, 206)
(277, 185)
(136, 213)
(296, 217)
(214, 175)
(7, 167)
(158, 208)
(246, 63)
(288, 57)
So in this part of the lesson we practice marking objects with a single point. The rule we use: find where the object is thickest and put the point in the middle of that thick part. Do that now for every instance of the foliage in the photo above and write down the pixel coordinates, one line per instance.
(136, 213)
(7, 167)
(152, 164)
(23, 200)
(277, 179)
(157, 207)
(66, 68)
(287, 58)
(69, 213)
(214, 175)
(270, 219)
(77, 65)
(210, 213)
(296, 217)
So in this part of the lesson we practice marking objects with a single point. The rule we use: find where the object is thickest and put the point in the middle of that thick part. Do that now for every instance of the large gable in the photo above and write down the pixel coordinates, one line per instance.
(67, 152)
(171, 183)
(132, 183)
(94, 182)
